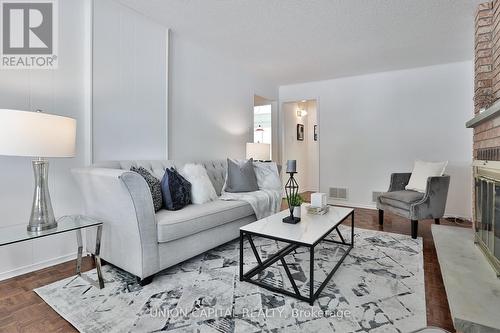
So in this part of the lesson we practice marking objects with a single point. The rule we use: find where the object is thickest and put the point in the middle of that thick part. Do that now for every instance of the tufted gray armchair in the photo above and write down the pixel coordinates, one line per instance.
(414, 205)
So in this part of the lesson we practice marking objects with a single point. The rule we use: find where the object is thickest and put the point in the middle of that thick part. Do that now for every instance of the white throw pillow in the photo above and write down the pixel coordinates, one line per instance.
(202, 189)
(267, 174)
(423, 170)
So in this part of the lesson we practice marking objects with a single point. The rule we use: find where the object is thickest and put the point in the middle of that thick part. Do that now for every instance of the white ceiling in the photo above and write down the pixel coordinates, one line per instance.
(290, 41)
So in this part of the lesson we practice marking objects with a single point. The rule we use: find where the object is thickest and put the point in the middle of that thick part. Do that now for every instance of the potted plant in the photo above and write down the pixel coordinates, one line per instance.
(295, 202)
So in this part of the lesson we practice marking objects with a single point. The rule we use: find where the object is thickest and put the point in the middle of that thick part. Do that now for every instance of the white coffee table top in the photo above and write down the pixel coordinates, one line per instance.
(308, 231)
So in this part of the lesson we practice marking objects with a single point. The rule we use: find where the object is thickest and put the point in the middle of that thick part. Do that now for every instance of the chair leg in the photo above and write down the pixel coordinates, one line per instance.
(414, 229)
(380, 217)
(437, 221)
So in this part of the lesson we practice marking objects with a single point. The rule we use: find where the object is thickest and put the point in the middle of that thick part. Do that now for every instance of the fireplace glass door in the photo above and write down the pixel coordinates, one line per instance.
(495, 248)
(487, 216)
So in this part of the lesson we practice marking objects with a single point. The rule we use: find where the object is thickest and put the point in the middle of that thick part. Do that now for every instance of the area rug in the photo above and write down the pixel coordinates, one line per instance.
(378, 288)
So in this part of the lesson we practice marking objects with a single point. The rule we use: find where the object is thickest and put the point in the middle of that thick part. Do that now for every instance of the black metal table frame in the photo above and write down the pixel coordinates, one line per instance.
(280, 256)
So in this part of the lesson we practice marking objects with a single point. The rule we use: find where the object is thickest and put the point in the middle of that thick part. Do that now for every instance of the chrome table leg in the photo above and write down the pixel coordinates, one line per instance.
(80, 251)
(97, 259)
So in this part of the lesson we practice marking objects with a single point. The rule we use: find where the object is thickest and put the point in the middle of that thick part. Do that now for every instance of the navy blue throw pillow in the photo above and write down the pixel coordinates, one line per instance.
(165, 191)
(176, 190)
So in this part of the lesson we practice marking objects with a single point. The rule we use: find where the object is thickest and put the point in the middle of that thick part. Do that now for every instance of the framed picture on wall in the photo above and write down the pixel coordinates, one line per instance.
(315, 133)
(300, 132)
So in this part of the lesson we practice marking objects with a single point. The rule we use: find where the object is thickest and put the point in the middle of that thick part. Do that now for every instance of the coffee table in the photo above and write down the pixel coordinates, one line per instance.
(310, 231)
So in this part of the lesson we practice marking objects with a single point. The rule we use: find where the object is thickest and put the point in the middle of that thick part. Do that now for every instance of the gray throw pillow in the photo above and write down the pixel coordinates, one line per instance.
(241, 177)
(154, 185)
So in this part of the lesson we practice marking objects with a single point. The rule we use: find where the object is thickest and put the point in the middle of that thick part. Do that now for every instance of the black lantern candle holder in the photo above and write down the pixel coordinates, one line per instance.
(292, 191)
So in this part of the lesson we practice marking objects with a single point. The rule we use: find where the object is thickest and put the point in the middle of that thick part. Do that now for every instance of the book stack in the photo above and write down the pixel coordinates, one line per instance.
(318, 204)
(317, 210)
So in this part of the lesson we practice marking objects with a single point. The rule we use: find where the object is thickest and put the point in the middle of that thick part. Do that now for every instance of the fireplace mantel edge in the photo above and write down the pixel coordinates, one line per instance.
(491, 112)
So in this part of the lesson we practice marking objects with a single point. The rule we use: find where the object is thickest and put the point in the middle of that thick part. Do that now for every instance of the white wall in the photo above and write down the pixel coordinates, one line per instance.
(306, 152)
(211, 108)
(373, 125)
(293, 148)
(129, 84)
(312, 147)
(61, 92)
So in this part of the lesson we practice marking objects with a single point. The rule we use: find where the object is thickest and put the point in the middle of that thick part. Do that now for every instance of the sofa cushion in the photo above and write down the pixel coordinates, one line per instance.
(216, 169)
(195, 218)
(400, 199)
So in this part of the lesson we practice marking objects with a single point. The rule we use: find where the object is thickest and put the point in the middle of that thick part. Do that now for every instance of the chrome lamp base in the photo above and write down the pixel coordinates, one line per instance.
(42, 214)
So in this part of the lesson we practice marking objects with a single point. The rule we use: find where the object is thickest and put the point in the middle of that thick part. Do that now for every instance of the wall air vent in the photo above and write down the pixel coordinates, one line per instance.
(375, 195)
(338, 193)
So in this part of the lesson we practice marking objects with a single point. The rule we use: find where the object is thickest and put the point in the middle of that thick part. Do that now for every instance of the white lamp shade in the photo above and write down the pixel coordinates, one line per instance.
(36, 134)
(259, 151)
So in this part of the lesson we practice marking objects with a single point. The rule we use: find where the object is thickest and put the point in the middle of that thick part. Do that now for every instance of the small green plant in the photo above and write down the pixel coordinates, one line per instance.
(295, 200)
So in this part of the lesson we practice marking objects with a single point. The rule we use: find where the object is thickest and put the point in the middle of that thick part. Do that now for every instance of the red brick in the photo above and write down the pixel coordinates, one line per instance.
(484, 46)
(483, 30)
(484, 21)
(483, 83)
(483, 76)
(484, 69)
(483, 13)
(484, 38)
(488, 143)
(485, 5)
(484, 53)
(483, 61)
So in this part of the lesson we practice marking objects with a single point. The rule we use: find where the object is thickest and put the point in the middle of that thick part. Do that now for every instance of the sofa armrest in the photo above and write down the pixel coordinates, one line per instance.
(399, 181)
(433, 204)
(123, 200)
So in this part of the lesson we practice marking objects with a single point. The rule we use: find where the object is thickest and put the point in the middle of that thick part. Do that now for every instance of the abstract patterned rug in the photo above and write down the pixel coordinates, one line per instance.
(378, 288)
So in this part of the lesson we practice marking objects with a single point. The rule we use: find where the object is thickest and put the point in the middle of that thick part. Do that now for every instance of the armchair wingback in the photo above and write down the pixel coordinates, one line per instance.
(414, 205)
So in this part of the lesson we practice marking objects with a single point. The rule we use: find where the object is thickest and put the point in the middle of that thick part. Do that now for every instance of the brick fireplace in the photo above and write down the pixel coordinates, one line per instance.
(486, 127)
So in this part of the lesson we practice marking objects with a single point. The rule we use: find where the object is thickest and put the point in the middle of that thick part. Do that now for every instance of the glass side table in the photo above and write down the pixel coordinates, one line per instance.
(18, 233)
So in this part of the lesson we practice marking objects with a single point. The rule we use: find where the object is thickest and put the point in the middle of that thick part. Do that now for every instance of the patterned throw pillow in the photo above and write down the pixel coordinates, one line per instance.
(176, 190)
(154, 186)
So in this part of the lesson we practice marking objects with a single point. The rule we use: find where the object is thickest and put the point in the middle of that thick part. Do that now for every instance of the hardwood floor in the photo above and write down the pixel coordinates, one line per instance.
(21, 310)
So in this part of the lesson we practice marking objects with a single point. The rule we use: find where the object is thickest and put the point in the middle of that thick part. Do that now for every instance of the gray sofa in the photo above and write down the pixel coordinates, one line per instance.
(143, 242)
(414, 205)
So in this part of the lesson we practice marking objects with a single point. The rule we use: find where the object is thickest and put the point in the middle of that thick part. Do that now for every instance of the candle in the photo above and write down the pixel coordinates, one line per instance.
(291, 166)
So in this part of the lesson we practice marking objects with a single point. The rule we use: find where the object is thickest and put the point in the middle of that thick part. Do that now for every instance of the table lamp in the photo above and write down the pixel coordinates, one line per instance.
(38, 135)
(259, 151)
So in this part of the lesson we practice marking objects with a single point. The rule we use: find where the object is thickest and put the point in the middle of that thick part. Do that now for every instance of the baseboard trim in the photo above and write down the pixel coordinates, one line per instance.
(36, 266)
(351, 204)
(374, 207)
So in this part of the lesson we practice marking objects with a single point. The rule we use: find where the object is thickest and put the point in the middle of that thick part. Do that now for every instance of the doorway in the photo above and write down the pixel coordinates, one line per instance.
(265, 129)
(300, 128)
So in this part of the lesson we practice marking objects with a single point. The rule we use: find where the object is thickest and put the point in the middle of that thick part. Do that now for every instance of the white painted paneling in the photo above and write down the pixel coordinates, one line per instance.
(211, 108)
(373, 125)
(54, 91)
(130, 60)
